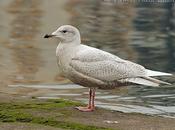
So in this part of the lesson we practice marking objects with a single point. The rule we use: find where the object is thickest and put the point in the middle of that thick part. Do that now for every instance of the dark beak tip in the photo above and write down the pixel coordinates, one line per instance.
(46, 36)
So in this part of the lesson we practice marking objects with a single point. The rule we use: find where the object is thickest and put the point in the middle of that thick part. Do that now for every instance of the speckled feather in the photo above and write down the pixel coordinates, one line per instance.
(104, 66)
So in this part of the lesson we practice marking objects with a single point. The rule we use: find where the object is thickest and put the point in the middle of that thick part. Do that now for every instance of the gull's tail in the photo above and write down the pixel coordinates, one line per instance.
(147, 80)
(156, 73)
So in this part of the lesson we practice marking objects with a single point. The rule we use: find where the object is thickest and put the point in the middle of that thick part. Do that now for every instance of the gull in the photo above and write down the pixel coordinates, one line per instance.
(95, 68)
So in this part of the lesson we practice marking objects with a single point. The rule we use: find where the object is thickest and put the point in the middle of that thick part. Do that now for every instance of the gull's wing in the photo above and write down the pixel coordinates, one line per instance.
(104, 66)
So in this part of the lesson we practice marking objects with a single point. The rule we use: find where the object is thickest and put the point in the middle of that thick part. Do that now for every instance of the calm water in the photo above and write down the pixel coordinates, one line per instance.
(141, 32)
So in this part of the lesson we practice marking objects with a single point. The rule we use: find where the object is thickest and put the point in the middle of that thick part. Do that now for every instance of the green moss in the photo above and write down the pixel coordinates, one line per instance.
(20, 112)
(48, 104)
(14, 116)
(66, 125)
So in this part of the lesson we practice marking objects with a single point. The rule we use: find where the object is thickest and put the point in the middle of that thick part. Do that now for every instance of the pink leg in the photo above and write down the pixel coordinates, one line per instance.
(90, 106)
(93, 100)
(90, 98)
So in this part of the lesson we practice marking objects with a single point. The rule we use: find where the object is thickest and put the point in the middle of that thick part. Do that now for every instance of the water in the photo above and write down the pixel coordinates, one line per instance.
(145, 100)
(143, 33)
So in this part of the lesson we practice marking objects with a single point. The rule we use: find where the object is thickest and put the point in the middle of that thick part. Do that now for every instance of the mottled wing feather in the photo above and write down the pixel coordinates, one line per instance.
(89, 54)
(105, 67)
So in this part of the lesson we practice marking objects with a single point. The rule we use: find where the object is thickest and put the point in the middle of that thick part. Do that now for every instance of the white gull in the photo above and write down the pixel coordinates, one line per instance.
(94, 68)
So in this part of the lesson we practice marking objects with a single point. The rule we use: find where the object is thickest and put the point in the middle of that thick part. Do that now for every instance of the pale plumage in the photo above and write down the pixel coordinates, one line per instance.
(95, 68)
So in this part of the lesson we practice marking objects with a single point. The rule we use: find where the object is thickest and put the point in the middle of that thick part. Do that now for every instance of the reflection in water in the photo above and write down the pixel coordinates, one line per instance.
(156, 27)
(24, 29)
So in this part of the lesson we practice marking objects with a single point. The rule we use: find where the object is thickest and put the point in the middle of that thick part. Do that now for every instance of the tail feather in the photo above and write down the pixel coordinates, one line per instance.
(157, 81)
(142, 82)
(156, 73)
(148, 81)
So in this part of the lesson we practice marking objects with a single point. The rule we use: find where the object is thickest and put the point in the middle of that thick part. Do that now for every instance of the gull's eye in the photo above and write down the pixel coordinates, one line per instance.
(64, 31)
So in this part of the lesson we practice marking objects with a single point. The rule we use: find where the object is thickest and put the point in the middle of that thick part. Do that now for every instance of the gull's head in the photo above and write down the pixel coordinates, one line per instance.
(65, 34)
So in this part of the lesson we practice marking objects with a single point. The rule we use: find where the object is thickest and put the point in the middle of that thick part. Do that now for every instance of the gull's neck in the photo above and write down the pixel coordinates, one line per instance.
(76, 41)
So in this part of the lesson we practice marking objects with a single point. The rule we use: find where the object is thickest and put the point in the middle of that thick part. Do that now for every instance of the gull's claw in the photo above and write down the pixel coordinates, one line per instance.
(85, 109)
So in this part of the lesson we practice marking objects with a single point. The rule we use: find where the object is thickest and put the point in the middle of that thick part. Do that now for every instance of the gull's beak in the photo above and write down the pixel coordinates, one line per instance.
(48, 35)
(54, 34)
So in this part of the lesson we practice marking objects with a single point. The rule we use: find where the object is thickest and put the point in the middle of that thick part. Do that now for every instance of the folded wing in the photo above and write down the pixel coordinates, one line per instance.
(106, 67)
